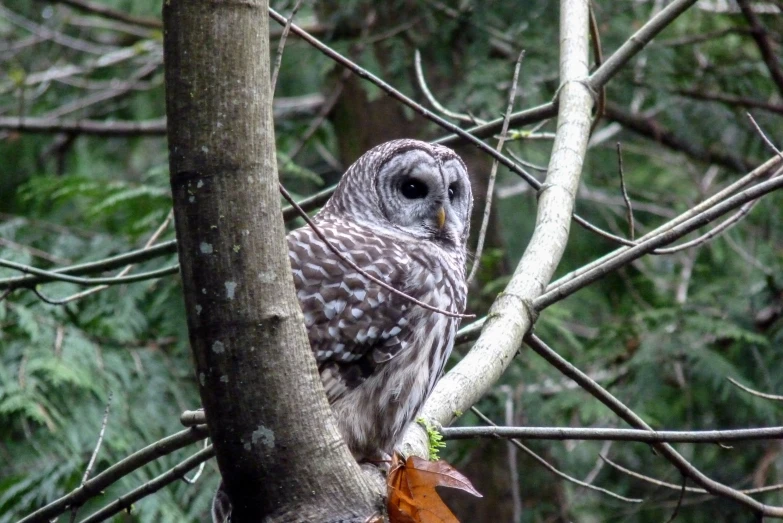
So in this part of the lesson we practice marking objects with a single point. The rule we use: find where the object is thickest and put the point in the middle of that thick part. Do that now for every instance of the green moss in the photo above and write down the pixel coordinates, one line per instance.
(434, 438)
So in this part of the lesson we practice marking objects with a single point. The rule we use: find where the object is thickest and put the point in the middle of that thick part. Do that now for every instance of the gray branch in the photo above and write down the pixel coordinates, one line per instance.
(602, 434)
(511, 316)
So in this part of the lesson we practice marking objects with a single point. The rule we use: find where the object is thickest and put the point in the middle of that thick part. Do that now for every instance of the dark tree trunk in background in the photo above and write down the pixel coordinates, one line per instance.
(276, 442)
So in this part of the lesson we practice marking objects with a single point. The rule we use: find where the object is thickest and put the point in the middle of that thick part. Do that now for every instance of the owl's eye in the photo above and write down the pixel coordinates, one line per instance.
(453, 190)
(414, 189)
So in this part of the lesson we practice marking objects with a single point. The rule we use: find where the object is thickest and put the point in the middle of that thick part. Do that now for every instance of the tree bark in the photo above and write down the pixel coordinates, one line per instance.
(276, 442)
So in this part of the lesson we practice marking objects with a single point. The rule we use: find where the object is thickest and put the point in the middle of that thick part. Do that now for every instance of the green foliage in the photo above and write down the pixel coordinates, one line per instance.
(659, 337)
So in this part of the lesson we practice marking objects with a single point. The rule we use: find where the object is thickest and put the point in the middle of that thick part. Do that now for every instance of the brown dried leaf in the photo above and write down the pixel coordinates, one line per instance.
(441, 474)
(412, 494)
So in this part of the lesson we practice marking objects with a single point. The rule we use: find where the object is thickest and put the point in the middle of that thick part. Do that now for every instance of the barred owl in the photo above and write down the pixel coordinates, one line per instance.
(401, 212)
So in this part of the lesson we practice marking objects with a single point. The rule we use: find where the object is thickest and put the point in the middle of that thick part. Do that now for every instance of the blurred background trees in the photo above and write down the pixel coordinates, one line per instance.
(83, 176)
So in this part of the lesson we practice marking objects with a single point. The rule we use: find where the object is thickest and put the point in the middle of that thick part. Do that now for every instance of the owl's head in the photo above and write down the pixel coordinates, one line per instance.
(411, 186)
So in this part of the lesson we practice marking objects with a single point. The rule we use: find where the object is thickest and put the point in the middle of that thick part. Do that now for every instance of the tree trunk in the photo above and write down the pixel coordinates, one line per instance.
(276, 441)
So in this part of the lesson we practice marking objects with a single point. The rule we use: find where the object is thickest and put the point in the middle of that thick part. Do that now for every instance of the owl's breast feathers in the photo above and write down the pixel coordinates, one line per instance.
(379, 354)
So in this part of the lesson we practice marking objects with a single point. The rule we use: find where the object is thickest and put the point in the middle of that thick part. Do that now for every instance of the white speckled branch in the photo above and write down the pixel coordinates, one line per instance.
(510, 316)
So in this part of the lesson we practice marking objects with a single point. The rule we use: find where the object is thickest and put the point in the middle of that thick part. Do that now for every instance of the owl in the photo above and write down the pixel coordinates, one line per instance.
(401, 213)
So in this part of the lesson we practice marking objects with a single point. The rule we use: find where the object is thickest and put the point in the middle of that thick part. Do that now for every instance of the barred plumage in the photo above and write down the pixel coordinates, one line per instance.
(401, 213)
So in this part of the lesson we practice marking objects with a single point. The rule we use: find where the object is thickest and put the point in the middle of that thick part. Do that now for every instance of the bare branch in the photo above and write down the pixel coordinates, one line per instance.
(626, 199)
(712, 233)
(679, 500)
(511, 316)
(648, 479)
(431, 98)
(668, 452)
(194, 479)
(730, 100)
(704, 37)
(281, 46)
(32, 251)
(764, 395)
(551, 468)
(49, 34)
(93, 127)
(152, 486)
(651, 241)
(761, 38)
(598, 79)
(602, 434)
(94, 455)
(114, 14)
(144, 254)
(83, 294)
(655, 131)
(99, 483)
(426, 113)
(284, 108)
(57, 276)
(763, 135)
(493, 172)
(91, 463)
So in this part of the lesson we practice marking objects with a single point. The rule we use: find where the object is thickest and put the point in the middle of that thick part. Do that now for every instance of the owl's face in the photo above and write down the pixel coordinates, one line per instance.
(424, 190)
(413, 187)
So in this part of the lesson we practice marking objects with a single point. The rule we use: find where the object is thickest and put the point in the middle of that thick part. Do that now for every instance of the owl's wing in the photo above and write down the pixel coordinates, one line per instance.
(353, 324)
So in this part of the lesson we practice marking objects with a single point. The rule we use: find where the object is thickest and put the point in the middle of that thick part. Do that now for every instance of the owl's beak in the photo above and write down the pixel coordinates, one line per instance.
(441, 218)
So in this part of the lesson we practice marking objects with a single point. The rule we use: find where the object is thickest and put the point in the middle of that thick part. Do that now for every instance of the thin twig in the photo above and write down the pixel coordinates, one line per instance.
(600, 77)
(124, 502)
(599, 463)
(679, 500)
(513, 465)
(32, 251)
(606, 434)
(512, 93)
(48, 33)
(626, 199)
(764, 136)
(728, 99)
(55, 276)
(764, 395)
(426, 113)
(162, 249)
(94, 455)
(598, 55)
(551, 468)
(95, 486)
(431, 98)
(558, 290)
(350, 263)
(194, 479)
(648, 479)
(93, 127)
(83, 294)
(91, 463)
(319, 120)
(281, 46)
(760, 36)
(114, 14)
(755, 175)
(693, 490)
(712, 233)
(674, 457)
